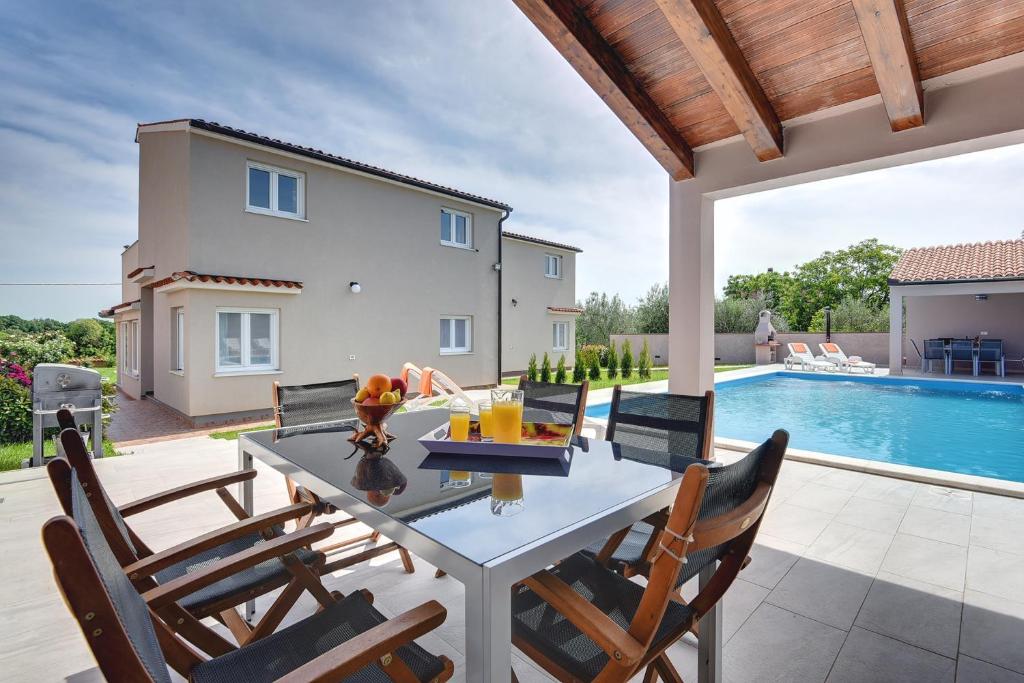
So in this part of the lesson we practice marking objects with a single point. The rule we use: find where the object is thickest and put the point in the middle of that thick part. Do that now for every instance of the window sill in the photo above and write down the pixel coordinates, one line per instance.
(553, 277)
(242, 373)
(179, 373)
(561, 350)
(455, 245)
(456, 353)
(273, 214)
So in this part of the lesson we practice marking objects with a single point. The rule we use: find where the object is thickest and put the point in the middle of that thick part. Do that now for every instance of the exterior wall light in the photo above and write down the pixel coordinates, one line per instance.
(355, 287)
(981, 297)
(514, 303)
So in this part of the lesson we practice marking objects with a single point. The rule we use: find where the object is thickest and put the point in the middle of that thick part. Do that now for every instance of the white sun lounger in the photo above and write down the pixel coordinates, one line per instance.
(835, 354)
(800, 355)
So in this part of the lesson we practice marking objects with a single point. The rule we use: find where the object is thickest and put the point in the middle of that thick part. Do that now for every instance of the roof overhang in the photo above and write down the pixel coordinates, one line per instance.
(121, 308)
(564, 310)
(141, 276)
(231, 283)
(536, 241)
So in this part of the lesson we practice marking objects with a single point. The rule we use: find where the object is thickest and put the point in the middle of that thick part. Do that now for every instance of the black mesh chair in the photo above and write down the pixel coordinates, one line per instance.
(306, 404)
(347, 640)
(295, 567)
(582, 621)
(991, 351)
(934, 350)
(565, 402)
(962, 350)
(676, 424)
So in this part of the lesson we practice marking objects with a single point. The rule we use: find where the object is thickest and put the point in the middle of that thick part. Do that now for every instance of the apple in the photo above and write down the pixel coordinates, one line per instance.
(371, 401)
(398, 384)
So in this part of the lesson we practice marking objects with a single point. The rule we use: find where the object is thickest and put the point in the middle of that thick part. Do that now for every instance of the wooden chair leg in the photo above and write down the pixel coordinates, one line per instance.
(651, 675)
(277, 612)
(666, 670)
(440, 573)
(191, 629)
(406, 560)
(514, 679)
(238, 626)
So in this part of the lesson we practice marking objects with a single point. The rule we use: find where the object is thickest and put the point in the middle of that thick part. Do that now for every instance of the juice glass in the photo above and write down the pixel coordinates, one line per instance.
(486, 420)
(459, 421)
(459, 479)
(507, 415)
(506, 495)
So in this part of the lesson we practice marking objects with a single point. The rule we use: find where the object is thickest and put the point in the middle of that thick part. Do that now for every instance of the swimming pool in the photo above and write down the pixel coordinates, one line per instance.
(965, 427)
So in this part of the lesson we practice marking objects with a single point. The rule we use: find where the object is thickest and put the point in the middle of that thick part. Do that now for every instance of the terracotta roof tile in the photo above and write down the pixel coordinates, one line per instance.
(1002, 260)
(191, 276)
(565, 309)
(108, 312)
(138, 271)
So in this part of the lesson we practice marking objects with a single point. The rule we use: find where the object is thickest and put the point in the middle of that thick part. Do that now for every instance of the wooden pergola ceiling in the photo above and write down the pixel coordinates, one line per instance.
(684, 73)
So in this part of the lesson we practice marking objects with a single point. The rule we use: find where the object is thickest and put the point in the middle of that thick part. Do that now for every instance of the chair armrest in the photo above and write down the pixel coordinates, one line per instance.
(158, 499)
(150, 565)
(368, 647)
(174, 590)
(608, 635)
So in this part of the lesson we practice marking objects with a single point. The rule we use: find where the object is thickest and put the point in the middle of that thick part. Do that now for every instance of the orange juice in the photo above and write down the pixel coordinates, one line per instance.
(486, 422)
(507, 487)
(459, 426)
(458, 475)
(508, 421)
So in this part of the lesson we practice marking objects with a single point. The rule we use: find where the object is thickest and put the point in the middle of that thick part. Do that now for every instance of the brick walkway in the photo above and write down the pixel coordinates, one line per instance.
(146, 421)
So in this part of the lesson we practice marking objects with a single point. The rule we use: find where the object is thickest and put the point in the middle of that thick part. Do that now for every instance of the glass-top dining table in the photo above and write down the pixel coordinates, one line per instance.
(425, 502)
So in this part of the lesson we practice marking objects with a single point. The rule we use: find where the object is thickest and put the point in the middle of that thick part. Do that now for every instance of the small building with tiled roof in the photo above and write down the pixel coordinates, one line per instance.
(262, 260)
(966, 291)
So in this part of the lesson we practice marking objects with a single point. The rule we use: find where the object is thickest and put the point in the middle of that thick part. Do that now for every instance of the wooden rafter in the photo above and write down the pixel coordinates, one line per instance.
(572, 34)
(883, 23)
(704, 33)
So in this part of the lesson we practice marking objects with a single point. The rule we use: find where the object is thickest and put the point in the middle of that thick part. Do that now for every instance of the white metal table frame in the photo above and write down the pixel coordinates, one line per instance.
(488, 587)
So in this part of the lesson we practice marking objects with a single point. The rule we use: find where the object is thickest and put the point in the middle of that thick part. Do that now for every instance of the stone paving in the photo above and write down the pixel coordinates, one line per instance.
(139, 421)
(854, 577)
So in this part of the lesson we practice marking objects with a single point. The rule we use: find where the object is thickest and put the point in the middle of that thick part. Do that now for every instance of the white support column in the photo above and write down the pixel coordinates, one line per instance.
(691, 290)
(895, 331)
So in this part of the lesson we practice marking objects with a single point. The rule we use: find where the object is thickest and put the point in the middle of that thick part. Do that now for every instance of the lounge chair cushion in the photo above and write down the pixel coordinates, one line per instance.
(272, 657)
(543, 627)
(265, 572)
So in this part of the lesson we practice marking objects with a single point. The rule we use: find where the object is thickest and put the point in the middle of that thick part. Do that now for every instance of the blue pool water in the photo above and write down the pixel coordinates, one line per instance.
(970, 428)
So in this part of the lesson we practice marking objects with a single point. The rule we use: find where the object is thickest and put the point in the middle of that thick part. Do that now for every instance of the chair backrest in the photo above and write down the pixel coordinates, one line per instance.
(934, 349)
(125, 545)
(112, 615)
(800, 350)
(671, 423)
(962, 349)
(716, 518)
(566, 402)
(991, 350)
(304, 404)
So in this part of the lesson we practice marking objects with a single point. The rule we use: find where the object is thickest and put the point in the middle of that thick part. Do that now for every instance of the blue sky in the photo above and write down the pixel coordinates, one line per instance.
(465, 93)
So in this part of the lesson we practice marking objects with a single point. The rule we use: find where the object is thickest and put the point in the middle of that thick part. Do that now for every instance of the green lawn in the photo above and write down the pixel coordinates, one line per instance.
(656, 375)
(109, 374)
(232, 434)
(12, 454)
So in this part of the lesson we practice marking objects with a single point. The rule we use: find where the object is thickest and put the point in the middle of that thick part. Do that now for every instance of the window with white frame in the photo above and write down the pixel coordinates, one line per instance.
(130, 347)
(456, 229)
(275, 191)
(178, 339)
(552, 266)
(456, 334)
(560, 336)
(247, 340)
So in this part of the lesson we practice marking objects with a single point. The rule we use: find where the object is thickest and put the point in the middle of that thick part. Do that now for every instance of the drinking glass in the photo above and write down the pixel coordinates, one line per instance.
(506, 495)
(458, 419)
(507, 415)
(458, 479)
(486, 420)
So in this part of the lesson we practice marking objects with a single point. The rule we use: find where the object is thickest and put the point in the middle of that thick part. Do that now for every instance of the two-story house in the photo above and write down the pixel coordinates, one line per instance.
(260, 260)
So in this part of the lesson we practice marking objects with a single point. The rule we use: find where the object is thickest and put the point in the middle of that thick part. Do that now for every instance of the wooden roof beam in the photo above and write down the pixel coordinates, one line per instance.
(704, 33)
(883, 23)
(572, 34)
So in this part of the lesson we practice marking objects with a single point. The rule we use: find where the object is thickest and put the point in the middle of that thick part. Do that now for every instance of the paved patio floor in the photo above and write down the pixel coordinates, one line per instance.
(855, 577)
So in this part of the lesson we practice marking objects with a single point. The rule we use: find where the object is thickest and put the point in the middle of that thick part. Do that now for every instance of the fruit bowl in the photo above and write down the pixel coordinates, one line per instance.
(372, 416)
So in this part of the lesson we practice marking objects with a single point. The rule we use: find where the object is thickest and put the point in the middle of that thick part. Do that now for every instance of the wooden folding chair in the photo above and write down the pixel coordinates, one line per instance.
(307, 404)
(584, 622)
(297, 567)
(132, 640)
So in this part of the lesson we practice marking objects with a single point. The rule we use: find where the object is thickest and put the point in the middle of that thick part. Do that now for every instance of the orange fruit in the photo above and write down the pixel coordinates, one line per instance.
(378, 384)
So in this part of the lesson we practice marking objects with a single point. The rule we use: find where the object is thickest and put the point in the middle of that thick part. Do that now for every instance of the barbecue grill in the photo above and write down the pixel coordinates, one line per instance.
(56, 386)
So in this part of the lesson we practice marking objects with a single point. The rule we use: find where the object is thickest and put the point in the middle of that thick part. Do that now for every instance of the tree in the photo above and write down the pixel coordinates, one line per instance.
(613, 362)
(651, 313)
(595, 368)
(643, 365)
(769, 286)
(579, 370)
(741, 315)
(853, 315)
(627, 359)
(87, 335)
(560, 371)
(601, 317)
(545, 368)
(531, 368)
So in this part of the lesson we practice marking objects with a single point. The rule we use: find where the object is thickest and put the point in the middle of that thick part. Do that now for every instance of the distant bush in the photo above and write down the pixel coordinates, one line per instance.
(594, 368)
(579, 370)
(29, 350)
(592, 351)
(627, 359)
(545, 369)
(15, 412)
(14, 371)
(613, 362)
(560, 372)
(531, 368)
(87, 335)
(742, 315)
(853, 315)
(643, 365)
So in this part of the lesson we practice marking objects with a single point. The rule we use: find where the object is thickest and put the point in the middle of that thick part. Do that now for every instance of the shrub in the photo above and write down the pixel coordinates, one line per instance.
(15, 412)
(28, 350)
(592, 351)
(613, 362)
(853, 315)
(742, 315)
(545, 369)
(14, 371)
(594, 369)
(87, 335)
(560, 371)
(627, 359)
(579, 370)
(643, 365)
(531, 369)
